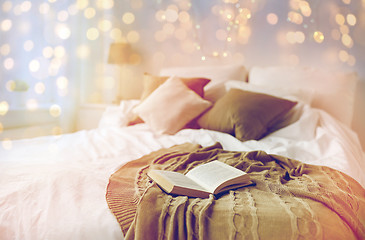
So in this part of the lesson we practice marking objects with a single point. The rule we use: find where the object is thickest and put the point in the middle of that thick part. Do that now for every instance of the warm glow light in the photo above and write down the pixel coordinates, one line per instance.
(34, 65)
(295, 17)
(7, 144)
(55, 110)
(105, 4)
(7, 5)
(351, 19)
(25, 6)
(10, 85)
(57, 131)
(318, 36)
(8, 63)
(28, 45)
(171, 15)
(343, 56)
(81, 4)
(59, 52)
(47, 52)
(272, 18)
(290, 37)
(128, 18)
(104, 25)
(347, 40)
(6, 25)
(32, 104)
(160, 16)
(245, 12)
(1, 127)
(62, 82)
(340, 19)
(116, 34)
(4, 107)
(89, 13)
(92, 34)
(83, 51)
(299, 37)
(5, 49)
(39, 88)
(305, 8)
(63, 31)
(184, 17)
(133, 37)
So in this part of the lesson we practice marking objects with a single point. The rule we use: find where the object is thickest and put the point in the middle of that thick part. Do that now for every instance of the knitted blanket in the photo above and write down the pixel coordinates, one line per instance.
(290, 200)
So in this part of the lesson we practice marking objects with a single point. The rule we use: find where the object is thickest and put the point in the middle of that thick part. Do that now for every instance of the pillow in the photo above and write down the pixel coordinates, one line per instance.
(245, 115)
(150, 83)
(118, 116)
(334, 92)
(290, 93)
(218, 75)
(171, 106)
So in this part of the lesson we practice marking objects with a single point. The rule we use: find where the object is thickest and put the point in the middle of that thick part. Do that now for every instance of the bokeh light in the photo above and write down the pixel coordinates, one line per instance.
(318, 36)
(32, 104)
(55, 110)
(128, 18)
(7, 144)
(272, 18)
(4, 107)
(92, 34)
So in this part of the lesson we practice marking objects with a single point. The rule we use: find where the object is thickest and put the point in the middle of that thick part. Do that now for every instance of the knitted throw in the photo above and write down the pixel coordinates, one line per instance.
(290, 200)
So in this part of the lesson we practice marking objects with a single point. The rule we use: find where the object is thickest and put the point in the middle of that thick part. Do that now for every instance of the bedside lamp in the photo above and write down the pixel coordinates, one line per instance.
(119, 54)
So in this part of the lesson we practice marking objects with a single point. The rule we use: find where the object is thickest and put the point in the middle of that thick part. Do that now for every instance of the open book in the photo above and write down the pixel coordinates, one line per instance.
(211, 178)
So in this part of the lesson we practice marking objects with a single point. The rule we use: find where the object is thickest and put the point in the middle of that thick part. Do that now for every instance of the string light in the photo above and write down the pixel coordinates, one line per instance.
(177, 22)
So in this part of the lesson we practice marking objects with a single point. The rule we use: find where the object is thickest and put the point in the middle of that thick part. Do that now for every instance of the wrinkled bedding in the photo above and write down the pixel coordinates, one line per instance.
(54, 187)
(290, 200)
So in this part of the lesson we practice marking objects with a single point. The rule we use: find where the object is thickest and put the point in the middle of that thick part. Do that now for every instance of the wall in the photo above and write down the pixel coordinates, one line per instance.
(325, 34)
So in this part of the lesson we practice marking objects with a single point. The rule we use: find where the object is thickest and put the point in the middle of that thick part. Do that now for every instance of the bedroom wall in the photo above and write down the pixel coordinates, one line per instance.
(166, 33)
(325, 34)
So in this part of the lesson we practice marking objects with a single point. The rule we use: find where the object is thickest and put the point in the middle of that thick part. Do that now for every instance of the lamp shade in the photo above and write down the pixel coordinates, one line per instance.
(119, 53)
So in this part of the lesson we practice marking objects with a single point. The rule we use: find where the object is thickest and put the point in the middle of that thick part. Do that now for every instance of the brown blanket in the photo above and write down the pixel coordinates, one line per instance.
(290, 200)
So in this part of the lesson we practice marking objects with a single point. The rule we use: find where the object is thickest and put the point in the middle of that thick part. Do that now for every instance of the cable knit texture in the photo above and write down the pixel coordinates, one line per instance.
(290, 200)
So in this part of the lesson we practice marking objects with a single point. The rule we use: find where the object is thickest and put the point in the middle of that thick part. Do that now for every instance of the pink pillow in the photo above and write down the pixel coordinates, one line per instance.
(171, 106)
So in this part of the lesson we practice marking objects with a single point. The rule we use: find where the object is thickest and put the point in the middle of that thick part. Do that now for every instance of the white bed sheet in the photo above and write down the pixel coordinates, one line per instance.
(54, 187)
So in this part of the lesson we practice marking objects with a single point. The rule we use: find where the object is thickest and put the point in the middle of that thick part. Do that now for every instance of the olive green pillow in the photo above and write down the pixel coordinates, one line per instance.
(245, 115)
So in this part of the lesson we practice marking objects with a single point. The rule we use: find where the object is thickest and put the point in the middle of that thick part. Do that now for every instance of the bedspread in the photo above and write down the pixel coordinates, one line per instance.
(291, 200)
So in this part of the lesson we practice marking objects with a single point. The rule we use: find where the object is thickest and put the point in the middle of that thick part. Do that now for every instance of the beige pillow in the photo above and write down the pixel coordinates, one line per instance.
(171, 106)
(218, 74)
(245, 115)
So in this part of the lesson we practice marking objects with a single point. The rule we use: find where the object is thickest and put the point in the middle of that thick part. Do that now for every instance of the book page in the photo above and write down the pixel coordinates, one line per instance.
(213, 174)
(181, 180)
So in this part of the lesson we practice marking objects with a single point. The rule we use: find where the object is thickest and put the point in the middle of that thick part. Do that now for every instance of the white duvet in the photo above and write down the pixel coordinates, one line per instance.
(54, 187)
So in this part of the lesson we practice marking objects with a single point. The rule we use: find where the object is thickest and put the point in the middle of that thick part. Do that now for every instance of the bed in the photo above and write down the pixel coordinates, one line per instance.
(92, 184)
